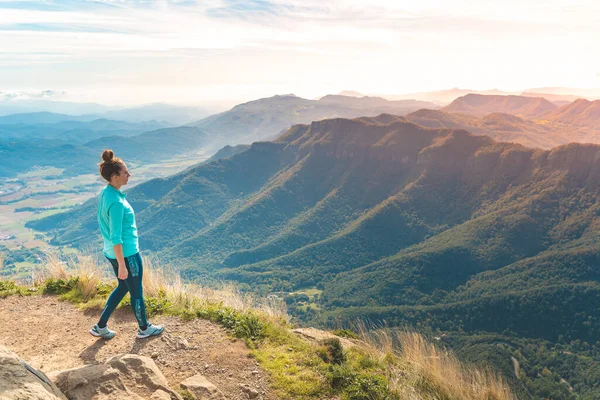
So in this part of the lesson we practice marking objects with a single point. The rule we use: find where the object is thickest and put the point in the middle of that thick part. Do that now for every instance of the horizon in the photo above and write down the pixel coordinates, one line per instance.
(39, 98)
(124, 53)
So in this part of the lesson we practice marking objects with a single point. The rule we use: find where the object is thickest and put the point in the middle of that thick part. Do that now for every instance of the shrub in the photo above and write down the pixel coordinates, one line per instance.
(156, 305)
(334, 350)
(367, 387)
(243, 325)
(59, 286)
(340, 376)
(8, 288)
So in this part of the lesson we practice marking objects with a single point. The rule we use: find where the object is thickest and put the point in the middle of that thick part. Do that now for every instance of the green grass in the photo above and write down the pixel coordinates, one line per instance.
(9, 288)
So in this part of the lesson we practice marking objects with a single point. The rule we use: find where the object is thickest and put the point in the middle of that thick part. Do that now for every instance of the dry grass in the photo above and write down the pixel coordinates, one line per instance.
(88, 270)
(418, 369)
(85, 267)
(163, 281)
(158, 281)
(53, 267)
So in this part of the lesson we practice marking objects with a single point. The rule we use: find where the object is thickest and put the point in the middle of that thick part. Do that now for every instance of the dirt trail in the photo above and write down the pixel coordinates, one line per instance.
(53, 335)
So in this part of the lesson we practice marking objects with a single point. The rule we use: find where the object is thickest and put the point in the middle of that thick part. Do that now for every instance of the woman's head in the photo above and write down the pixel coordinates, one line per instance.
(113, 169)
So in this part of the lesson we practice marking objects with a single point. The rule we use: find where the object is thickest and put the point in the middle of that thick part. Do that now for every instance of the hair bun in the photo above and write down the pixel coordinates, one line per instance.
(108, 155)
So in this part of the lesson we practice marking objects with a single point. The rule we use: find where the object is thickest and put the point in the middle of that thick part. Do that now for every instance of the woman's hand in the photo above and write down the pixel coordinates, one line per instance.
(123, 274)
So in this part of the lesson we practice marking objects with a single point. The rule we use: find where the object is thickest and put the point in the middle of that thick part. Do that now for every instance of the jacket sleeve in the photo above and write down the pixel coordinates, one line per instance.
(115, 218)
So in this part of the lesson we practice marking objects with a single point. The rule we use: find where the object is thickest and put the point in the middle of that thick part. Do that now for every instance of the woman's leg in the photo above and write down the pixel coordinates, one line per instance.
(134, 284)
(115, 297)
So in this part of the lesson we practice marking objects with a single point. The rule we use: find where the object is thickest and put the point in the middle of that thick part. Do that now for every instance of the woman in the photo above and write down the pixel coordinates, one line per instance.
(118, 229)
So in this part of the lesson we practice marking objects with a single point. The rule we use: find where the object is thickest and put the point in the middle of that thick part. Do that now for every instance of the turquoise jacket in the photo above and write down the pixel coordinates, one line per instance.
(117, 222)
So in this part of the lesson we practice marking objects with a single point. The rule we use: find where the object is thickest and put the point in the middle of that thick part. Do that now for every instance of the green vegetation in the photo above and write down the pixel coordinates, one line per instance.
(17, 262)
(560, 371)
(9, 288)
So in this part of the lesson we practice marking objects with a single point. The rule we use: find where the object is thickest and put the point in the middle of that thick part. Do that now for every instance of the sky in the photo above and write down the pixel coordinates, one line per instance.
(192, 52)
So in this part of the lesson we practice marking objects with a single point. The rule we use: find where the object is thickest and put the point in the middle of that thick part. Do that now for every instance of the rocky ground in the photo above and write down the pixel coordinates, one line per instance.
(53, 336)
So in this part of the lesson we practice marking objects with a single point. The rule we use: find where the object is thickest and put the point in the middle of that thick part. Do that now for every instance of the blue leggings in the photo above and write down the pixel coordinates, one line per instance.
(133, 285)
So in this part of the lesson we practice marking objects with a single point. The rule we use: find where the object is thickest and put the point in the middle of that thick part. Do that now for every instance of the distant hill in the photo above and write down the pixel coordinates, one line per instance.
(22, 155)
(228, 151)
(174, 115)
(480, 105)
(555, 98)
(157, 145)
(499, 126)
(589, 93)
(43, 117)
(581, 112)
(378, 103)
(350, 93)
(81, 158)
(266, 118)
(69, 128)
(553, 94)
(445, 97)
(37, 108)
(10, 105)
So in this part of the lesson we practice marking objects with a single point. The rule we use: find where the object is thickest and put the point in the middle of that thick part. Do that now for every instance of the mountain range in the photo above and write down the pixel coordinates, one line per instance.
(422, 220)
(264, 119)
(68, 128)
(553, 94)
(521, 106)
(83, 136)
(533, 122)
(166, 113)
(387, 217)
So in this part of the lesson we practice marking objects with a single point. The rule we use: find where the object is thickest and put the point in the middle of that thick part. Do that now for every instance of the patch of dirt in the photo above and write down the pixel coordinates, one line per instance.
(53, 335)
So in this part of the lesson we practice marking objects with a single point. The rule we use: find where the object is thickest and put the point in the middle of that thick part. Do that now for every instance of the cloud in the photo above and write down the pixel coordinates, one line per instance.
(246, 9)
(311, 43)
(8, 95)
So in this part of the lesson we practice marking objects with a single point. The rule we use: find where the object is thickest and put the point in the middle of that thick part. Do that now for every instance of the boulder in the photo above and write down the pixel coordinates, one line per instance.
(160, 395)
(201, 388)
(125, 376)
(19, 380)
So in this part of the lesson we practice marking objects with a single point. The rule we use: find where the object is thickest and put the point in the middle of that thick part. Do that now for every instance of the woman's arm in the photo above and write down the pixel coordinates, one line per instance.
(115, 216)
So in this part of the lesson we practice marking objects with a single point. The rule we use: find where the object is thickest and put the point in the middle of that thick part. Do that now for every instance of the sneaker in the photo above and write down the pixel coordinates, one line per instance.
(104, 333)
(151, 330)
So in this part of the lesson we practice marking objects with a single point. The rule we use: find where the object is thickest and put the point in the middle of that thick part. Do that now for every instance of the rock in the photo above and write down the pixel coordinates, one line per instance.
(182, 344)
(19, 380)
(125, 376)
(250, 391)
(160, 395)
(201, 388)
(316, 335)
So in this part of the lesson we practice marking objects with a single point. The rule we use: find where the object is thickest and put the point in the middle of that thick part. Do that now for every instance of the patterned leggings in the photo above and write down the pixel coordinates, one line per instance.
(133, 285)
